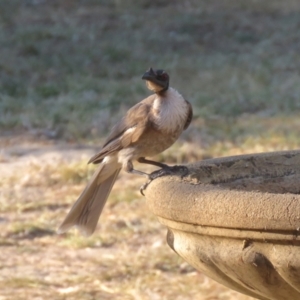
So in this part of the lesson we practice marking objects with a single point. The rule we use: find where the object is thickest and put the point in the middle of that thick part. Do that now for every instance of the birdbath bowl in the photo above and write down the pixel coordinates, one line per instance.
(237, 220)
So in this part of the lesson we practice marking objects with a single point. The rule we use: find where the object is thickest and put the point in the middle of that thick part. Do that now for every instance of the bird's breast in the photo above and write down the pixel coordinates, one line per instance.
(169, 113)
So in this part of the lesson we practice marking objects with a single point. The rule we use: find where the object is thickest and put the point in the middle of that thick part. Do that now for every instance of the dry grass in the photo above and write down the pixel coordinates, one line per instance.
(127, 257)
(69, 70)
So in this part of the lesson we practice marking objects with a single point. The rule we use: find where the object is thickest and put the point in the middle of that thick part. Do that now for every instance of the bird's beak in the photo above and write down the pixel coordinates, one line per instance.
(149, 75)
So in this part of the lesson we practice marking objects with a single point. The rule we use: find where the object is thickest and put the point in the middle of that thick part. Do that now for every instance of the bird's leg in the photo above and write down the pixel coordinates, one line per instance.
(165, 170)
(129, 168)
(143, 160)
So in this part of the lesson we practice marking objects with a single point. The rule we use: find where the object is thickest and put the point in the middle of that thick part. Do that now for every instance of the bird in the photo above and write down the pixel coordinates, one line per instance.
(147, 129)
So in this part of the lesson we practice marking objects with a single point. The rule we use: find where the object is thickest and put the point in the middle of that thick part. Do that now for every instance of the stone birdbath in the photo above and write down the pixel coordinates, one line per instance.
(237, 220)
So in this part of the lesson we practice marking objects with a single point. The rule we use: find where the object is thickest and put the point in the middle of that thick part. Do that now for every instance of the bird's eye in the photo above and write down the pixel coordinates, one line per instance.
(163, 76)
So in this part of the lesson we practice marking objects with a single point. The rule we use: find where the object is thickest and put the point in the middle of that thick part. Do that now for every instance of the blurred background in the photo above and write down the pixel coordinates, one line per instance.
(69, 70)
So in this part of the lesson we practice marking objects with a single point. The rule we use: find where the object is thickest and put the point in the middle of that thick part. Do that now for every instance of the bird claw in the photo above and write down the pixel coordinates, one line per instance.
(169, 171)
(143, 187)
(164, 172)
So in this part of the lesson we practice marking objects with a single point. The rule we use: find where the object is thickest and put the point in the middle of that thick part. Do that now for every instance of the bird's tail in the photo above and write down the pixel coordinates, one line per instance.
(87, 209)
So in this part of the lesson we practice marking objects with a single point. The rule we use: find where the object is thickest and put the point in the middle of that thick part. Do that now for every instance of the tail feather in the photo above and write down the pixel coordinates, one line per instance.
(87, 209)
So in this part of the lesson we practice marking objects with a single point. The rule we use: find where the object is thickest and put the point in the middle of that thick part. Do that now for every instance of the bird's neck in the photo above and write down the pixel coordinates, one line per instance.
(162, 93)
(157, 89)
(169, 110)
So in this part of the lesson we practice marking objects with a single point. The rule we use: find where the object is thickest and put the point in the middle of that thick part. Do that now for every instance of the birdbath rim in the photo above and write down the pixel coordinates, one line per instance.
(236, 219)
(259, 192)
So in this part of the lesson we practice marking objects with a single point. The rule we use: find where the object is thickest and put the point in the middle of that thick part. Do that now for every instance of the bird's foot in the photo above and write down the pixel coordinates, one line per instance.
(182, 170)
(169, 171)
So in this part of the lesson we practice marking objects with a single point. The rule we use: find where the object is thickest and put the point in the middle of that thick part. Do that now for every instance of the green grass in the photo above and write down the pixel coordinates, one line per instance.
(74, 67)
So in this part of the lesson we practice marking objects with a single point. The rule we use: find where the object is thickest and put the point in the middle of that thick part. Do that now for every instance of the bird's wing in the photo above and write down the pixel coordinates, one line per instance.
(189, 116)
(128, 130)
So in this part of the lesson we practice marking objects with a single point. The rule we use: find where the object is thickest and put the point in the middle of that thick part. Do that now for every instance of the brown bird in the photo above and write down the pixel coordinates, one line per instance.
(148, 128)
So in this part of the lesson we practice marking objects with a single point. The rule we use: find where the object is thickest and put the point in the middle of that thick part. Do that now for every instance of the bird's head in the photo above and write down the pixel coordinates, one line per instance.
(157, 80)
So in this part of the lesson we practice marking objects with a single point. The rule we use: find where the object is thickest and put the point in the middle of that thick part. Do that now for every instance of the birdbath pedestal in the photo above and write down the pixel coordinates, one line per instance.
(237, 220)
